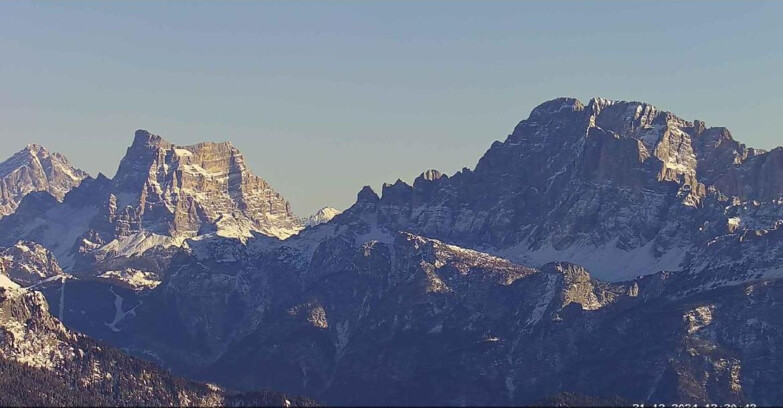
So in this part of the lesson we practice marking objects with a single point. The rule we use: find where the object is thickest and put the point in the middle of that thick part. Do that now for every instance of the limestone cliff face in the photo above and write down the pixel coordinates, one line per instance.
(759, 177)
(192, 190)
(35, 169)
(623, 188)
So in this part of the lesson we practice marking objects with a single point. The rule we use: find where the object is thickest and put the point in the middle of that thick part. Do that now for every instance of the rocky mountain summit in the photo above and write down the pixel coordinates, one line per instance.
(620, 187)
(35, 169)
(321, 216)
(185, 191)
(161, 195)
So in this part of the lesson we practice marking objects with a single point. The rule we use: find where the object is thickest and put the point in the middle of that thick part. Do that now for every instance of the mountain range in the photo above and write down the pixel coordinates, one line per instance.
(161, 196)
(609, 250)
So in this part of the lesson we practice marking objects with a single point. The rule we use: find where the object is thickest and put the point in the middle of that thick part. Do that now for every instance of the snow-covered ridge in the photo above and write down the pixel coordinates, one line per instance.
(138, 244)
(135, 279)
(321, 216)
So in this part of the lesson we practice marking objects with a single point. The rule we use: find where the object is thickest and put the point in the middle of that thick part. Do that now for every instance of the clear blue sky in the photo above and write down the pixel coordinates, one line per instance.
(323, 98)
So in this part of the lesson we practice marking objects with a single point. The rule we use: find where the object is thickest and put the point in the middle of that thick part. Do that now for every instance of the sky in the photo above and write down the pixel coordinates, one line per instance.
(323, 98)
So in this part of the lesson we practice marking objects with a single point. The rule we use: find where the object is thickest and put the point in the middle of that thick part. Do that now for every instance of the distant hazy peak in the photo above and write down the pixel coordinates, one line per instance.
(321, 216)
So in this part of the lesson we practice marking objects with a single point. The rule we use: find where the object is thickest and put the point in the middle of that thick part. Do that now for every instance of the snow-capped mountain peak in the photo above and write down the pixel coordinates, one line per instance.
(33, 169)
(321, 216)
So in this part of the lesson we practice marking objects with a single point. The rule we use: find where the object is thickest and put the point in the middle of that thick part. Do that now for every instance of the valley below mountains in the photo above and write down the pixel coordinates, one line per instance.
(603, 253)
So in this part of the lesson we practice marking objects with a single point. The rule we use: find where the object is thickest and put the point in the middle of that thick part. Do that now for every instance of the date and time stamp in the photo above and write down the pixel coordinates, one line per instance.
(694, 406)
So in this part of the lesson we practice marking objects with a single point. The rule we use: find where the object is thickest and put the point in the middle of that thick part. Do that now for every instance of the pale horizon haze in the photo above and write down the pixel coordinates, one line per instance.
(323, 98)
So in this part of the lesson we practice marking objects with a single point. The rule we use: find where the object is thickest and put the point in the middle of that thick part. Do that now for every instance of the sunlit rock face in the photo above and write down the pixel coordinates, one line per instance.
(189, 190)
(34, 169)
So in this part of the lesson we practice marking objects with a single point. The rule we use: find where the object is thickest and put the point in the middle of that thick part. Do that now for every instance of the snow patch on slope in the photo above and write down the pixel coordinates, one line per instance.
(137, 244)
(119, 314)
(376, 234)
(58, 230)
(605, 262)
(134, 278)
